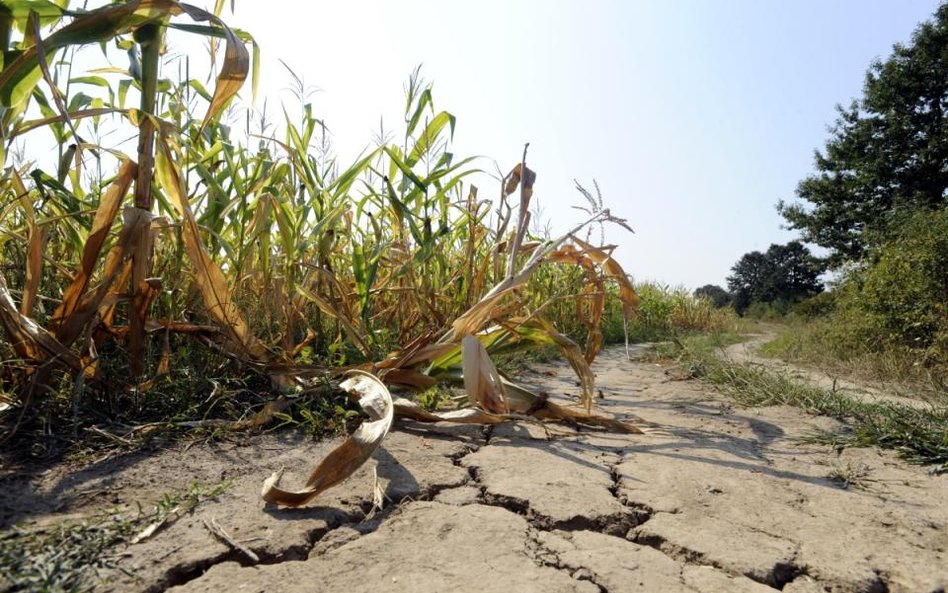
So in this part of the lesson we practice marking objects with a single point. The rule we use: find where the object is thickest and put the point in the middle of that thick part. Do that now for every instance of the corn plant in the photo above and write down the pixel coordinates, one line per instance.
(262, 245)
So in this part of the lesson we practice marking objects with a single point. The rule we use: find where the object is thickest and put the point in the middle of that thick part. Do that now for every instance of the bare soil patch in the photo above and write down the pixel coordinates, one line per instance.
(722, 498)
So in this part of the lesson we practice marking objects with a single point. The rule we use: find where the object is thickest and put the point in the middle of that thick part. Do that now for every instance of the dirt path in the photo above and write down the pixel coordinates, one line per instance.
(724, 499)
(748, 352)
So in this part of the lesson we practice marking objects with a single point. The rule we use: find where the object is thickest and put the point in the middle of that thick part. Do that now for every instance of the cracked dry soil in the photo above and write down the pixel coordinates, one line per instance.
(721, 499)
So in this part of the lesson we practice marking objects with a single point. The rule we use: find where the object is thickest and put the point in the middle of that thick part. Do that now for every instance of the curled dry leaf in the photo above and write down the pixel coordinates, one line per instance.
(481, 379)
(344, 460)
(514, 178)
(236, 64)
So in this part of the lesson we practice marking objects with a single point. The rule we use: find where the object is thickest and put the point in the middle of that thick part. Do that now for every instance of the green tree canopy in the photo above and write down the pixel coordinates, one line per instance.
(887, 153)
(715, 294)
(784, 273)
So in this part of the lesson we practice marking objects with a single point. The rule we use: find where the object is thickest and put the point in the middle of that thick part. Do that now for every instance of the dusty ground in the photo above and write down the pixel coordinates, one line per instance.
(724, 499)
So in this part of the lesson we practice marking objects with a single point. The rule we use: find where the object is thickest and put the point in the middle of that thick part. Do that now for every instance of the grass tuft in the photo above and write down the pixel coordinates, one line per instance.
(67, 557)
(919, 435)
(822, 343)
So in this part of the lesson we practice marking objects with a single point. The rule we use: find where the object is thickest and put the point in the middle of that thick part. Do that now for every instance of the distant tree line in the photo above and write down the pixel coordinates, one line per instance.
(782, 275)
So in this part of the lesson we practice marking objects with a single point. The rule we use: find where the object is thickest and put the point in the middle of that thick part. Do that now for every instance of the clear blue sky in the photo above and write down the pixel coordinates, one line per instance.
(694, 116)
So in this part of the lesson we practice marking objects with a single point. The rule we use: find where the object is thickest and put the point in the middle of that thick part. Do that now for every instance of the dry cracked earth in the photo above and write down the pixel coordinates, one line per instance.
(722, 498)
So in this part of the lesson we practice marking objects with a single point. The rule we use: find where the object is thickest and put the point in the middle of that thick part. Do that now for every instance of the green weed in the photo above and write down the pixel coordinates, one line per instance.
(67, 557)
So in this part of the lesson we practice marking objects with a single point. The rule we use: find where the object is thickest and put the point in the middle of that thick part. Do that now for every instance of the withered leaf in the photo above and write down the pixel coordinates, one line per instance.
(345, 459)
(481, 379)
(514, 178)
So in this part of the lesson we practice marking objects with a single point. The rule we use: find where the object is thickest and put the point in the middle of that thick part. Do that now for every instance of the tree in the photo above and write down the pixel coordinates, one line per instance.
(714, 293)
(887, 153)
(784, 273)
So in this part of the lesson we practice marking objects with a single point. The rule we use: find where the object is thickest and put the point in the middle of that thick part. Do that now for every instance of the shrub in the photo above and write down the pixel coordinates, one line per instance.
(767, 311)
(900, 297)
(819, 305)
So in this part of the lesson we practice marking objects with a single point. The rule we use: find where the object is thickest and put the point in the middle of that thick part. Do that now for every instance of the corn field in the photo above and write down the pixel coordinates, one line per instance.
(259, 248)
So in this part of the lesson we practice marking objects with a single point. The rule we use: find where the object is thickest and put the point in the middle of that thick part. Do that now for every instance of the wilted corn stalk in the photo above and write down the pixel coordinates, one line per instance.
(464, 347)
(276, 256)
(84, 305)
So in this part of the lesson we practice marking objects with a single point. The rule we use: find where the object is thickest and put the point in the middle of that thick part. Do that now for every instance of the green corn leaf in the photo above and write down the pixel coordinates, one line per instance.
(404, 168)
(402, 213)
(20, 76)
(98, 81)
(47, 12)
(345, 180)
(123, 91)
(430, 136)
(199, 89)
(423, 101)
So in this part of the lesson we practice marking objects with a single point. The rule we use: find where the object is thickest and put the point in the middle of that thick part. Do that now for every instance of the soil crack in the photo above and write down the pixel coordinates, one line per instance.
(615, 524)
(183, 573)
(544, 556)
(777, 576)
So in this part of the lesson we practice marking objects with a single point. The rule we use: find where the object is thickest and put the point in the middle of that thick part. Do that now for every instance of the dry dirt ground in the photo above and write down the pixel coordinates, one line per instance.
(724, 498)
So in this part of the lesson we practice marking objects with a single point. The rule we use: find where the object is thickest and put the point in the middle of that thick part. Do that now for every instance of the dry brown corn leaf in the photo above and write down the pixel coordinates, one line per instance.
(105, 215)
(117, 267)
(207, 274)
(481, 379)
(513, 180)
(589, 307)
(233, 71)
(409, 378)
(472, 320)
(28, 339)
(630, 301)
(36, 239)
(416, 354)
(523, 404)
(344, 460)
(405, 408)
(34, 266)
(524, 401)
